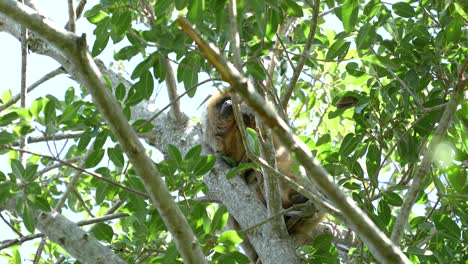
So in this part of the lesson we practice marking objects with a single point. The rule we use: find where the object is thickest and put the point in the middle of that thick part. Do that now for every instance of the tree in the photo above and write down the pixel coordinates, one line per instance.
(379, 103)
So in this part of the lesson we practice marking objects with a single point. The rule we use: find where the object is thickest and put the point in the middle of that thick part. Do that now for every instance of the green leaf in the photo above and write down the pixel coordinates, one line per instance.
(392, 198)
(380, 61)
(194, 152)
(187, 72)
(121, 22)
(404, 10)
(16, 258)
(5, 191)
(36, 106)
(384, 212)
(30, 171)
(28, 219)
(163, 7)
(70, 112)
(126, 53)
(103, 232)
(253, 143)
(174, 154)
(365, 37)
(273, 20)
(100, 139)
(116, 156)
(40, 203)
(219, 219)
(134, 97)
(454, 30)
(160, 68)
(355, 167)
(460, 10)
(8, 118)
(6, 96)
(7, 138)
(145, 85)
(96, 14)
(230, 236)
(457, 178)
(338, 49)
(17, 168)
(49, 112)
(103, 190)
(196, 8)
(373, 161)
(323, 140)
(447, 227)
(257, 6)
(180, 4)
(84, 140)
(292, 8)
(120, 92)
(372, 8)
(242, 167)
(349, 144)
(167, 168)
(143, 67)
(205, 164)
(94, 159)
(234, 257)
(256, 70)
(102, 37)
(70, 95)
(349, 14)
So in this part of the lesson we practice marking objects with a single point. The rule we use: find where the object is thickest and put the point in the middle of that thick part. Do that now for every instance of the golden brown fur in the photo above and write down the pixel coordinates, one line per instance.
(223, 136)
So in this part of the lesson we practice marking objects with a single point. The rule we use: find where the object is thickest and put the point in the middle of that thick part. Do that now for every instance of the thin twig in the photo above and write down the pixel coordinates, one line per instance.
(71, 15)
(19, 240)
(24, 91)
(300, 64)
(103, 218)
(429, 14)
(172, 92)
(55, 166)
(82, 202)
(18, 232)
(40, 248)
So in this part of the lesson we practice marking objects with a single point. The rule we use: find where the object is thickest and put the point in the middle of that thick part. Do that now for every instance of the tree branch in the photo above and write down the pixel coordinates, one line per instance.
(300, 64)
(72, 16)
(81, 245)
(248, 211)
(172, 92)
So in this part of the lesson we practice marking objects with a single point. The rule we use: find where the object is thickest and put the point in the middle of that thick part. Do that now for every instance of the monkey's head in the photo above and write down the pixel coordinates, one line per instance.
(220, 127)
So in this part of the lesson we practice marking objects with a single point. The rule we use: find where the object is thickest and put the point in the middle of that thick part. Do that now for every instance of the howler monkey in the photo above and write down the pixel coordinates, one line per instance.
(222, 134)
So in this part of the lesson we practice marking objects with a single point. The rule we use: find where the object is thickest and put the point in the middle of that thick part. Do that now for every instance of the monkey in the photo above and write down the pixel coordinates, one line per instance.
(222, 134)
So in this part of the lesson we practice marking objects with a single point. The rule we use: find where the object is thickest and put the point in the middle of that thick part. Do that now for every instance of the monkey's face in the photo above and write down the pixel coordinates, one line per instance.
(226, 113)
(222, 125)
